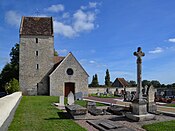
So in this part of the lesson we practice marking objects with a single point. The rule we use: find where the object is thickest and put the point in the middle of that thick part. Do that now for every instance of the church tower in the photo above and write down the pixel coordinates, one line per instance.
(36, 55)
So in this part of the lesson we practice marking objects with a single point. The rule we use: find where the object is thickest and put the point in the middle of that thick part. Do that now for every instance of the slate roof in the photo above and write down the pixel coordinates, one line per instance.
(36, 26)
(122, 81)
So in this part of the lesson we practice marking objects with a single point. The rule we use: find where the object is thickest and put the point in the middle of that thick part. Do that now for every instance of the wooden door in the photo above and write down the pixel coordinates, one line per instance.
(69, 87)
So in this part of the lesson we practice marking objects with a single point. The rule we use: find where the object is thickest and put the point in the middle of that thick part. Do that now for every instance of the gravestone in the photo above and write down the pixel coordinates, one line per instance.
(76, 111)
(70, 99)
(79, 96)
(91, 106)
(61, 101)
(116, 92)
(151, 106)
(128, 96)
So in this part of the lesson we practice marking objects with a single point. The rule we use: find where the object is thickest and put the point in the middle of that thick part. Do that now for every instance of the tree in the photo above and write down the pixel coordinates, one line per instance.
(155, 83)
(12, 86)
(107, 79)
(94, 82)
(55, 53)
(10, 70)
(146, 82)
(132, 83)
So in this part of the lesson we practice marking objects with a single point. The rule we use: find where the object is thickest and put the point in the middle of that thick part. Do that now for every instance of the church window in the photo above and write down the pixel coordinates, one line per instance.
(36, 40)
(70, 71)
(37, 66)
(36, 53)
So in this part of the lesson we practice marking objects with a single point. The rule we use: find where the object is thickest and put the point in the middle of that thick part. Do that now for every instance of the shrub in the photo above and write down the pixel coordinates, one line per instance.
(12, 86)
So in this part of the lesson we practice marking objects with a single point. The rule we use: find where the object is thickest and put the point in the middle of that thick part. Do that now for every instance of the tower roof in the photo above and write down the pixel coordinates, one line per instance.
(36, 26)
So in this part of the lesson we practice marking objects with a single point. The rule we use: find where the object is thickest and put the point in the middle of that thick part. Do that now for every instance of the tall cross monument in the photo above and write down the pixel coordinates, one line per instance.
(139, 105)
(139, 54)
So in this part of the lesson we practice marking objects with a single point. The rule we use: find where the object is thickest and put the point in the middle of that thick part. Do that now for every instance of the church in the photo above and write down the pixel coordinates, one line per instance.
(42, 73)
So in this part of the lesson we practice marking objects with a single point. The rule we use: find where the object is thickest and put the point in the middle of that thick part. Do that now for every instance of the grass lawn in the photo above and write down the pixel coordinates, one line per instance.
(83, 103)
(105, 96)
(161, 126)
(170, 105)
(35, 113)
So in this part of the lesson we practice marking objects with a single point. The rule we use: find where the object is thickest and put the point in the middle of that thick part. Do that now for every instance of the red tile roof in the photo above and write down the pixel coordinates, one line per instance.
(36, 26)
(58, 59)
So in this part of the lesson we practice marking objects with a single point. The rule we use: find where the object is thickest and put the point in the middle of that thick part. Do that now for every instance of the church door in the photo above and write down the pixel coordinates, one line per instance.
(69, 87)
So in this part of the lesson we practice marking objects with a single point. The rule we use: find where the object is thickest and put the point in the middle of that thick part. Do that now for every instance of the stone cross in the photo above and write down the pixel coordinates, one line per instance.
(139, 54)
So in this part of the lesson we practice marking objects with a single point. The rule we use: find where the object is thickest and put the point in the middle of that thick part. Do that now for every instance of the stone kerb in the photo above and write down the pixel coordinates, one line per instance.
(8, 105)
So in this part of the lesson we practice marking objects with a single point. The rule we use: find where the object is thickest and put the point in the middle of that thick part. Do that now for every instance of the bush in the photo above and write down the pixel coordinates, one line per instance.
(12, 86)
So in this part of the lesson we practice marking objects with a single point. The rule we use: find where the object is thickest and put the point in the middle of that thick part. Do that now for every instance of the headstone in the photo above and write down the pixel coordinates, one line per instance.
(79, 96)
(70, 99)
(91, 105)
(128, 96)
(151, 106)
(116, 92)
(61, 101)
(76, 111)
(105, 93)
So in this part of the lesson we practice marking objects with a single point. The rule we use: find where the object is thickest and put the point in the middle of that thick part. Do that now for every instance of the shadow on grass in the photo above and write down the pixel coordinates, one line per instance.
(61, 116)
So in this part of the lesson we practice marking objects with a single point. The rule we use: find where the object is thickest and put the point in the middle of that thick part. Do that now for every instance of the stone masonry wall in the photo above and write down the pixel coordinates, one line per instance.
(35, 81)
(59, 77)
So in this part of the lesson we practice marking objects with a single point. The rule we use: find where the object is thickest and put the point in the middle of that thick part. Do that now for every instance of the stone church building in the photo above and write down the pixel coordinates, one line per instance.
(42, 73)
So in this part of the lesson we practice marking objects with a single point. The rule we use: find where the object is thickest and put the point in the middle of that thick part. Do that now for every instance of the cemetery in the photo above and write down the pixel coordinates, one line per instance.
(53, 92)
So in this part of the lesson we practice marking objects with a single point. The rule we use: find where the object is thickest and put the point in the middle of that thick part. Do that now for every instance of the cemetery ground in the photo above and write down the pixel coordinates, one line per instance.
(38, 113)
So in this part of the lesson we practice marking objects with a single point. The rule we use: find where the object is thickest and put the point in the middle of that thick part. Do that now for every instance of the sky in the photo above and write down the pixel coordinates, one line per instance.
(102, 34)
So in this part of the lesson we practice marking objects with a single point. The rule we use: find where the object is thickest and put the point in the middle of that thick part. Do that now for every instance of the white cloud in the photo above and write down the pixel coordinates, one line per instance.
(66, 15)
(65, 30)
(92, 4)
(92, 62)
(63, 51)
(83, 21)
(55, 8)
(171, 40)
(156, 50)
(12, 18)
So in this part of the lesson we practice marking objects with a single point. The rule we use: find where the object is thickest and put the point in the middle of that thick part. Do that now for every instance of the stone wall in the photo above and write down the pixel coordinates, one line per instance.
(93, 90)
(35, 81)
(59, 77)
(8, 105)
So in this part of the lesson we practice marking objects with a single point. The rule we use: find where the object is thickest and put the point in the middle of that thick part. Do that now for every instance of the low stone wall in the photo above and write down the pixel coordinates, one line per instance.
(93, 90)
(8, 105)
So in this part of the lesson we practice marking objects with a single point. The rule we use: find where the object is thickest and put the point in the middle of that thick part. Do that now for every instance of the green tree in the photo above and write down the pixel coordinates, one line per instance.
(146, 82)
(132, 83)
(107, 79)
(155, 83)
(94, 82)
(12, 86)
(55, 53)
(10, 70)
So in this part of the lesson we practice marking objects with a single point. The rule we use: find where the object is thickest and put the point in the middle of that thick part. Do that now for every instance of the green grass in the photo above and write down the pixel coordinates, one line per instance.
(105, 96)
(161, 126)
(170, 105)
(83, 103)
(35, 113)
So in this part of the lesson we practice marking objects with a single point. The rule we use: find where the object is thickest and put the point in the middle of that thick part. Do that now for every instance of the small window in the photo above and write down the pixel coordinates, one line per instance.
(70, 71)
(36, 53)
(37, 66)
(36, 40)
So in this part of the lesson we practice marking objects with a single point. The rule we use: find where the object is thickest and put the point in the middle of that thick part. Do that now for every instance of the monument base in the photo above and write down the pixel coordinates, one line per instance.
(144, 117)
(139, 107)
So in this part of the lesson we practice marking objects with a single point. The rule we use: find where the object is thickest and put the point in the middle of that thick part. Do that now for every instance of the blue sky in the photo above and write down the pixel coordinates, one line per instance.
(102, 34)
